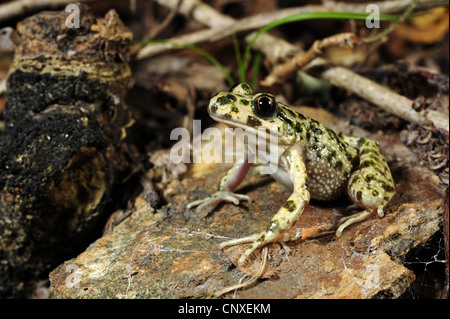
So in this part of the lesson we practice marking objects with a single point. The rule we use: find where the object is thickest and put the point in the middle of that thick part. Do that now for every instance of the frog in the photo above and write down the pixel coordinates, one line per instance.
(313, 162)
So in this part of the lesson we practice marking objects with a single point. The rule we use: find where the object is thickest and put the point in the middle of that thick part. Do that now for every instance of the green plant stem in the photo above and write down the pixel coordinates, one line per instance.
(310, 16)
(240, 65)
(256, 64)
(242, 61)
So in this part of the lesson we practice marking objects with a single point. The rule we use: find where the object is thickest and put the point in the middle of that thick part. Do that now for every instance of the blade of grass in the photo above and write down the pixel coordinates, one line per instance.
(242, 61)
(310, 16)
(240, 65)
(255, 67)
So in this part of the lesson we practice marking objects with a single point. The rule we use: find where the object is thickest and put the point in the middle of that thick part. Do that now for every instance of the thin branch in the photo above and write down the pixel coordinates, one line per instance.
(222, 26)
(200, 12)
(389, 6)
(157, 30)
(281, 72)
(17, 8)
(224, 30)
(381, 96)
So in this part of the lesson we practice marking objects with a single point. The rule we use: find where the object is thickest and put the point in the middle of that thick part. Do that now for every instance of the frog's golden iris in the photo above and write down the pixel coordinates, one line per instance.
(264, 105)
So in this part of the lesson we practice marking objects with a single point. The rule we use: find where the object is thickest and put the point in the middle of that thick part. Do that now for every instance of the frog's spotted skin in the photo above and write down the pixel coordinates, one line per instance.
(314, 162)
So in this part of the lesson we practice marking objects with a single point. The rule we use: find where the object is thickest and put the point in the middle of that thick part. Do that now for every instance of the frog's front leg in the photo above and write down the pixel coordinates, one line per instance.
(370, 187)
(228, 184)
(287, 215)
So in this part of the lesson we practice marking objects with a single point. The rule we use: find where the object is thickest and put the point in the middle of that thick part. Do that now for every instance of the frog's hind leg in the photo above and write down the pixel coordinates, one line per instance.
(286, 216)
(371, 186)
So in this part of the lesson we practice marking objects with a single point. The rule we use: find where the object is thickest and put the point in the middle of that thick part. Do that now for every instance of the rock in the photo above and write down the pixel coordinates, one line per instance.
(173, 253)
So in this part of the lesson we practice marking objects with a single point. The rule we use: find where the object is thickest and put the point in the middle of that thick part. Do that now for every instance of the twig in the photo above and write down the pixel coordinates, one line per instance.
(283, 71)
(389, 6)
(200, 12)
(369, 90)
(222, 26)
(155, 31)
(341, 77)
(381, 96)
(17, 8)
(225, 29)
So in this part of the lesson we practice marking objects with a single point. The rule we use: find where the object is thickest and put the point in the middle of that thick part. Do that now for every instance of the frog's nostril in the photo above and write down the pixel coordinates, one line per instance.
(213, 108)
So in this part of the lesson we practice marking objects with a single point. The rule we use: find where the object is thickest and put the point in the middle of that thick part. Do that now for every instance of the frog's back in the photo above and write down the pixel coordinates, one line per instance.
(329, 160)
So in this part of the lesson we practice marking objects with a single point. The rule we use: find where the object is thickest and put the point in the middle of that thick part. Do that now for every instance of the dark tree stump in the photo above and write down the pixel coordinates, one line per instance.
(60, 151)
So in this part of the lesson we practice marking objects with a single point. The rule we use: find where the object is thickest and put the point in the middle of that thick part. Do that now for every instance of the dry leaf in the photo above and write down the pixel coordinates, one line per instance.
(428, 28)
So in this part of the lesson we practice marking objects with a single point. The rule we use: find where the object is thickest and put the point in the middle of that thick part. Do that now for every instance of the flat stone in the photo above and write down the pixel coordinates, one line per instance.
(173, 252)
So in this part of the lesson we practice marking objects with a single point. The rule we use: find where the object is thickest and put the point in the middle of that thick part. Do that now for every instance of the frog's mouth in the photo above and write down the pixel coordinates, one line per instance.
(251, 135)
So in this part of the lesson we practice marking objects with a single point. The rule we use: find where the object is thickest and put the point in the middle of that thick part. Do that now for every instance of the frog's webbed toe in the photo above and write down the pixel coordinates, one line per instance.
(216, 198)
(344, 222)
(244, 240)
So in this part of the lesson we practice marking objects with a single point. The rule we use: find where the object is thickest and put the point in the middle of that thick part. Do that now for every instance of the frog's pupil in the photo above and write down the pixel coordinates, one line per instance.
(265, 106)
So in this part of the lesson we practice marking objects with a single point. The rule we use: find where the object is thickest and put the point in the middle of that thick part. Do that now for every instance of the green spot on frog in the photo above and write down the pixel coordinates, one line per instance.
(226, 99)
(290, 205)
(294, 126)
(273, 224)
(298, 127)
(315, 129)
(365, 151)
(246, 88)
(367, 163)
(253, 121)
(301, 116)
(361, 141)
(244, 102)
(234, 109)
(293, 114)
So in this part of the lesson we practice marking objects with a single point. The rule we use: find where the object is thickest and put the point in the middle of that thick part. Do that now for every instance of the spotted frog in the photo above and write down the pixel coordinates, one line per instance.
(314, 162)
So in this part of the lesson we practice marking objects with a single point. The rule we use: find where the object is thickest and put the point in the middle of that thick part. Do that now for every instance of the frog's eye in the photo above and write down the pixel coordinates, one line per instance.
(264, 105)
